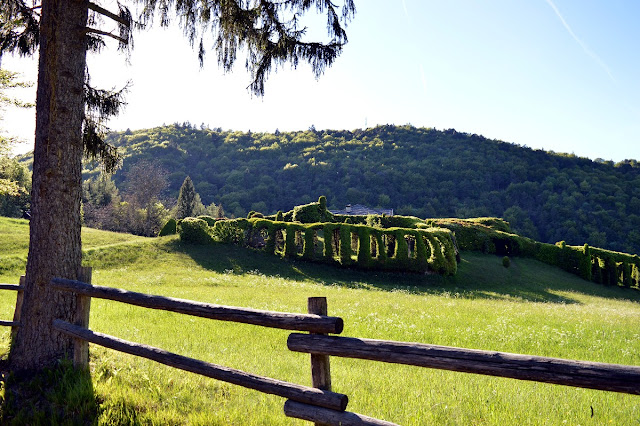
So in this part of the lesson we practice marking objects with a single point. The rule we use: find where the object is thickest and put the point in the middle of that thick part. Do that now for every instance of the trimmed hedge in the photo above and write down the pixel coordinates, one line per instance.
(169, 228)
(395, 249)
(590, 263)
(195, 231)
(312, 212)
(230, 231)
(210, 220)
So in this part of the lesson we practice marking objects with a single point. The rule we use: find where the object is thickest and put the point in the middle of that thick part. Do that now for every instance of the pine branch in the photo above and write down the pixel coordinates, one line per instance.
(106, 34)
(102, 11)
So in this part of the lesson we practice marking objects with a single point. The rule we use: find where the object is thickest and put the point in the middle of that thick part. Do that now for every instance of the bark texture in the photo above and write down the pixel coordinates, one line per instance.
(54, 246)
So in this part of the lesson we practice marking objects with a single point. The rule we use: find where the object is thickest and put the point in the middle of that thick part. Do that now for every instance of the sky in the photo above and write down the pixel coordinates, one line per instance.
(558, 75)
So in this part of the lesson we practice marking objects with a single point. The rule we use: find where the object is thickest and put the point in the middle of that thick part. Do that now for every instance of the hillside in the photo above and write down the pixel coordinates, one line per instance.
(416, 171)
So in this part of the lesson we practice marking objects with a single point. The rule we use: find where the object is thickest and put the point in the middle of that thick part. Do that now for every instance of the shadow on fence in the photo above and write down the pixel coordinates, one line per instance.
(318, 403)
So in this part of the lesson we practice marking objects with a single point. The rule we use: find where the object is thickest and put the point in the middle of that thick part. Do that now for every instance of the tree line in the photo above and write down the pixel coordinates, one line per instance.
(140, 208)
(416, 171)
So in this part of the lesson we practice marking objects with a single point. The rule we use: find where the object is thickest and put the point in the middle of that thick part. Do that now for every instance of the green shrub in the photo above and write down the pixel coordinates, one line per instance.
(585, 263)
(353, 219)
(364, 247)
(210, 220)
(327, 230)
(322, 200)
(436, 261)
(385, 222)
(230, 231)
(290, 243)
(312, 213)
(343, 241)
(382, 250)
(195, 231)
(273, 231)
(448, 252)
(373, 220)
(626, 274)
(421, 254)
(402, 250)
(288, 216)
(548, 253)
(506, 262)
(612, 271)
(596, 271)
(345, 245)
(635, 273)
(169, 228)
(495, 223)
(389, 244)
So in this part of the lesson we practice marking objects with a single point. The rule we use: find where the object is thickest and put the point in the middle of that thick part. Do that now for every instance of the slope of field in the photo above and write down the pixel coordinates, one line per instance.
(528, 308)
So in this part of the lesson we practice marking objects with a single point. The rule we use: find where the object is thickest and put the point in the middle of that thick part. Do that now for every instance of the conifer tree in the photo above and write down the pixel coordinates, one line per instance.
(186, 199)
(69, 113)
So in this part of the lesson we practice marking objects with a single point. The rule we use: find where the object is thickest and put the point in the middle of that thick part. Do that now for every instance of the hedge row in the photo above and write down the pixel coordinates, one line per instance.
(359, 246)
(317, 213)
(592, 264)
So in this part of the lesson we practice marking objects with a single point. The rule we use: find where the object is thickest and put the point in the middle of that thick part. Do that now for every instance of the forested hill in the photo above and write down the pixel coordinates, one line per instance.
(416, 171)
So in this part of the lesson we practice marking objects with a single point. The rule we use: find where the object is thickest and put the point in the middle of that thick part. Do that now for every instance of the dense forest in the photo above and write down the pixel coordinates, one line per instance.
(416, 171)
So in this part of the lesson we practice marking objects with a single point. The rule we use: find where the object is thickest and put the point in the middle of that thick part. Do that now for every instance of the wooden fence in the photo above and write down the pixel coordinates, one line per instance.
(318, 403)
(16, 314)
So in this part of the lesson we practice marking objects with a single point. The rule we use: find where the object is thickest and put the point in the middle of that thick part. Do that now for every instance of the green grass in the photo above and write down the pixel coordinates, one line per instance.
(528, 308)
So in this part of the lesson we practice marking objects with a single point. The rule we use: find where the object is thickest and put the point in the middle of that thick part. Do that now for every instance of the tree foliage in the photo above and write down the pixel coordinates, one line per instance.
(269, 31)
(187, 201)
(15, 179)
(421, 172)
(9, 80)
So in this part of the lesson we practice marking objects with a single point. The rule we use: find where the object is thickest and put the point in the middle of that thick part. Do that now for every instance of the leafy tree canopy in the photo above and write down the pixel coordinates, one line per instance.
(416, 171)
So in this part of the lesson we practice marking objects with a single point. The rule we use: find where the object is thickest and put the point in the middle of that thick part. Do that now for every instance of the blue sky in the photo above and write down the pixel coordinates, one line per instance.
(562, 75)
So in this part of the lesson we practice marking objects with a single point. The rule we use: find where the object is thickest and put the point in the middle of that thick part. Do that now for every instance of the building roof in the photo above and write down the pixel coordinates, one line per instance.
(360, 210)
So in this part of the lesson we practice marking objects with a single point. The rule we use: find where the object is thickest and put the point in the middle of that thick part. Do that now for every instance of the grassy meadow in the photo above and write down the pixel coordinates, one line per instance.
(529, 308)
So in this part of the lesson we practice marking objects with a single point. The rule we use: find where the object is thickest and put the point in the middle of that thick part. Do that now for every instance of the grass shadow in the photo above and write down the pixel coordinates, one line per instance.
(479, 276)
(58, 395)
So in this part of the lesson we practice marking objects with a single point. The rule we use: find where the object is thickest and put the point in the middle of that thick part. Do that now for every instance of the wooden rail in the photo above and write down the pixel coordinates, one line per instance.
(281, 320)
(19, 288)
(323, 415)
(591, 375)
(304, 394)
(15, 287)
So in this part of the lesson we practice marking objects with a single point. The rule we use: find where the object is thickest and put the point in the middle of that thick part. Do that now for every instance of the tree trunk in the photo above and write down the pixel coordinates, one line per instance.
(54, 246)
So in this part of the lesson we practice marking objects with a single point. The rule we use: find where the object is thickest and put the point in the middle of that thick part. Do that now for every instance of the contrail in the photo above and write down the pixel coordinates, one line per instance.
(406, 11)
(580, 42)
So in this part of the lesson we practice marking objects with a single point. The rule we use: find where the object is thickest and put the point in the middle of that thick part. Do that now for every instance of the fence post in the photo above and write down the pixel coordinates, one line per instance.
(81, 318)
(320, 368)
(18, 312)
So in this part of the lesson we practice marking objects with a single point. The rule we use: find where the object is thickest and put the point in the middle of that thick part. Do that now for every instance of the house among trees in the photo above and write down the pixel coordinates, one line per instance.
(359, 209)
